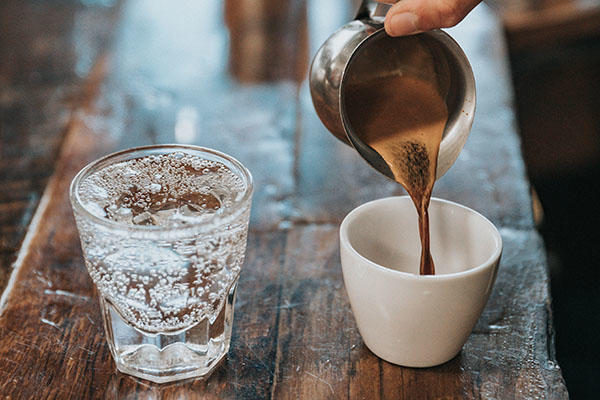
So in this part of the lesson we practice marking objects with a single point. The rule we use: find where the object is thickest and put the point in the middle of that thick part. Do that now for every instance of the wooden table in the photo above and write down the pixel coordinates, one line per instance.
(81, 79)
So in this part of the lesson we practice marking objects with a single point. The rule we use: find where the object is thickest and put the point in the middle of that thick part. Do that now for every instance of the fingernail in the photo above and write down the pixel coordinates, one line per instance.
(401, 24)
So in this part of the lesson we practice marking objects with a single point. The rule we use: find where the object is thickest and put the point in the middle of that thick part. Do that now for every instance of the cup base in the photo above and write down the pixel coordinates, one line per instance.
(402, 361)
(166, 357)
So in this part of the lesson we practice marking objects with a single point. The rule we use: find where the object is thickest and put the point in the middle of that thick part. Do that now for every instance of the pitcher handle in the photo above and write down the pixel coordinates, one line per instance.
(373, 11)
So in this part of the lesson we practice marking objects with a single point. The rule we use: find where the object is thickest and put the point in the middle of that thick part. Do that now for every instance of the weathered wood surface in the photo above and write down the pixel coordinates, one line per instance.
(46, 51)
(166, 79)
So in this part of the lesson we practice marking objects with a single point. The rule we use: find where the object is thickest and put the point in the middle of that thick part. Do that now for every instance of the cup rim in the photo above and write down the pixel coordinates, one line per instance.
(229, 214)
(345, 241)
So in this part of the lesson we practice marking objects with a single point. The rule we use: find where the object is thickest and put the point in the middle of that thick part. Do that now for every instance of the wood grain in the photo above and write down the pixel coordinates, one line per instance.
(46, 52)
(294, 334)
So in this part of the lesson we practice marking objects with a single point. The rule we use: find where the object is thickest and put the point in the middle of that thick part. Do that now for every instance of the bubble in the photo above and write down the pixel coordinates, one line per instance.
(149, 185)
(153, 287)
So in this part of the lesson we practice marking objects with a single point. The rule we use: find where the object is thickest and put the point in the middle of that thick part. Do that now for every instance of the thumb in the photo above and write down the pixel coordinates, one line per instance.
(408, 17)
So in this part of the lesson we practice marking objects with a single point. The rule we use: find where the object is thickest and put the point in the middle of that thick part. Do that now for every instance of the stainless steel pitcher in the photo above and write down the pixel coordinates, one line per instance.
(362, 50)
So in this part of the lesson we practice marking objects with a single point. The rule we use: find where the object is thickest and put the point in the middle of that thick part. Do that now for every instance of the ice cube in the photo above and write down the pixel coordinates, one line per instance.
(96, 209)
(121, 214)
(144, 218)
(191, 210)
(164, 217)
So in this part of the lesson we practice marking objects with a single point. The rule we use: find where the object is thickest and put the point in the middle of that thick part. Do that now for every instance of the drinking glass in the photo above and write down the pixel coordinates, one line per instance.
(163, 231)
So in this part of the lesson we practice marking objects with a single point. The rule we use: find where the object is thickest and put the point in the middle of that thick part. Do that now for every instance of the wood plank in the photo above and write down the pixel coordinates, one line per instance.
(518, 311)
(51, 303)
(30, 142)
(315, 324)
(45, 50)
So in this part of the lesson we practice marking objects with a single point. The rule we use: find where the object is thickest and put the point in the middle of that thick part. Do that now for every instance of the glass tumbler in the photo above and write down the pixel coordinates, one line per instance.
(163, 231)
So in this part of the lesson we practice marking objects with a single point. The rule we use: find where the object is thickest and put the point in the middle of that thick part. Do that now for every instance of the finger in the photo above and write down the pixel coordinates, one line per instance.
(408, 17)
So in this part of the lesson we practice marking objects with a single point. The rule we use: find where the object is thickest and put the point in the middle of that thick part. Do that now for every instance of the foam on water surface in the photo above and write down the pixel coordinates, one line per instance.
(165, 190)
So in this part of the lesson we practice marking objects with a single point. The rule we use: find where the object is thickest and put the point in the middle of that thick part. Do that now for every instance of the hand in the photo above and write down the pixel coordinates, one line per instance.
(408, 17)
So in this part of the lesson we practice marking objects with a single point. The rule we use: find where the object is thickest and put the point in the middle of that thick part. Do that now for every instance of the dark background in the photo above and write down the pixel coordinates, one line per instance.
(554, 49)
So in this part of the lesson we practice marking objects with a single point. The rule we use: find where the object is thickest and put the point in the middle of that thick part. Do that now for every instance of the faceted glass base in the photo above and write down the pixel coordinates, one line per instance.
(166, 357)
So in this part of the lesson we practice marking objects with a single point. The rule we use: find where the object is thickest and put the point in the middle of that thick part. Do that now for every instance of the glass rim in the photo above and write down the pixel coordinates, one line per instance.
(229, 214)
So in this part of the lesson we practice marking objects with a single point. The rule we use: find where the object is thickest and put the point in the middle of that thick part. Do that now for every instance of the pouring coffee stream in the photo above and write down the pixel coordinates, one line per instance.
(405, 104)
(402, 118)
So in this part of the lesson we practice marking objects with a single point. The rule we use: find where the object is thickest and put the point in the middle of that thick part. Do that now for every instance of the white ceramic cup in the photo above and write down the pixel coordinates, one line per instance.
(405, 318)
